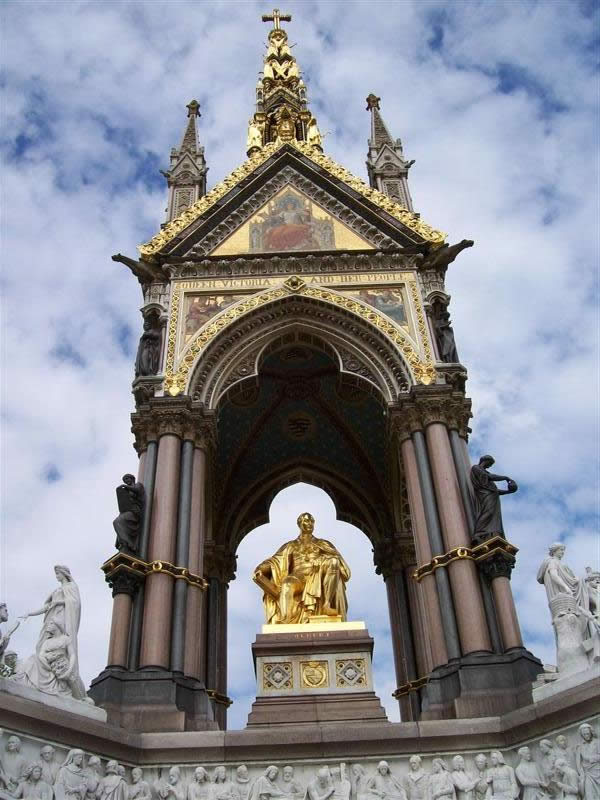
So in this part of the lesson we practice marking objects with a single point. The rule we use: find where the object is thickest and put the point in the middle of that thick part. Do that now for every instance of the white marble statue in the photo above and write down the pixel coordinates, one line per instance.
(547, 762)
(113, 785)
(32, 786)
(415, 780)
(480, 790)
(171, 788)
(292, 787)
(530, 777)
(200, 786)
(440, 786)
(139, 789)
(501, 777)
(54, 667)
(93, 776)
(463, 782)
(341, 785)
(385, 785)
(571, 601)
(265, 787)
(5, 636)
(563, 750)
(70, 781)
(13, 763)
(49, 764)
(359, 781)
(222, 788)
(320, 788)
(587, 763)
(565, 780)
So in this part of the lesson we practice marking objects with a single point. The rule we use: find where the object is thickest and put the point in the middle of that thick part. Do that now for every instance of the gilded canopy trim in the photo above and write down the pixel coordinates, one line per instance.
(205, 203)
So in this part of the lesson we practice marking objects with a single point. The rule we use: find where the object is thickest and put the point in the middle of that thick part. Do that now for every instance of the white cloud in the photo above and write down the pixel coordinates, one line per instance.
(502, 122)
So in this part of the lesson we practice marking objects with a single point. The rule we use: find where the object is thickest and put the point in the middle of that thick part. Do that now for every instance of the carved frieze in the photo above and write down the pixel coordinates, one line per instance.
(178, 417)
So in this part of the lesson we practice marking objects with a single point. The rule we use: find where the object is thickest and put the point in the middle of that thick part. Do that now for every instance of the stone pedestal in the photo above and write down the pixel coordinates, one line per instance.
(314, 673)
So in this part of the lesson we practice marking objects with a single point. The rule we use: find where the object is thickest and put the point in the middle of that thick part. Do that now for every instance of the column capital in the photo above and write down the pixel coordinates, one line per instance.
(393, 555)
(219, 562)
(499, 564)
(426, 405)
(178, 416)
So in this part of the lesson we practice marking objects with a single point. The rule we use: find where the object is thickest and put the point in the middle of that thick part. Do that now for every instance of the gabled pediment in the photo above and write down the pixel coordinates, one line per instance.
(333, 192)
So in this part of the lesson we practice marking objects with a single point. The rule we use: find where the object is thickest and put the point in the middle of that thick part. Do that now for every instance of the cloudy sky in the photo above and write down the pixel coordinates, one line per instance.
(496, 101)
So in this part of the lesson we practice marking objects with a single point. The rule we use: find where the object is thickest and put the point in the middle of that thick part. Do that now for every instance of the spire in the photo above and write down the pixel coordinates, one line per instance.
(186, 176)
(281, 104)
(386, 166)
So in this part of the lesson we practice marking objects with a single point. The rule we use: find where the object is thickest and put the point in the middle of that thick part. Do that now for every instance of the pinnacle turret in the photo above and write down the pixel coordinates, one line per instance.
(386, 165)
(186, 176)
(281, 103)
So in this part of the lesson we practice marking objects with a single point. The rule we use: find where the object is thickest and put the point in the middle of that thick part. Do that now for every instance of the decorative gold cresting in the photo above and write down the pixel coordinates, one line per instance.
(191, 214)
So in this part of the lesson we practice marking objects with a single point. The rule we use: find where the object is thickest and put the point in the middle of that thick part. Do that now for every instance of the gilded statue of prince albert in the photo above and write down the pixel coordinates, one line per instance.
(305, 580)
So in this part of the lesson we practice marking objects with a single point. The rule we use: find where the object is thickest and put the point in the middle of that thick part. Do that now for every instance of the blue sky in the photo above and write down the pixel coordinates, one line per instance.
(497, 102)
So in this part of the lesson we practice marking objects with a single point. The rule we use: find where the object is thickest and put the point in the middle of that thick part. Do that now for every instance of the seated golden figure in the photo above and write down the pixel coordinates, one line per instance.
(304, 580)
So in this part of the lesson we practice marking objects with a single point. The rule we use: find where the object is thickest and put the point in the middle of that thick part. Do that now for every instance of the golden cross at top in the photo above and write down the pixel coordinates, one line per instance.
(276, 17)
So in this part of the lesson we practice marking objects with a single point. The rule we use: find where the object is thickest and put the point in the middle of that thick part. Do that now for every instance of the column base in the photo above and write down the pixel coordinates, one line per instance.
(150, 700)
(481, 685)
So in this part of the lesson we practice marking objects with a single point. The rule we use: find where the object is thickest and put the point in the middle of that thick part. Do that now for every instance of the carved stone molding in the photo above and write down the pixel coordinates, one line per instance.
(295, 264)
(219, 562)
(177, 416)
(124, 573)
(393, 555)
(427, 405)
(495, 558)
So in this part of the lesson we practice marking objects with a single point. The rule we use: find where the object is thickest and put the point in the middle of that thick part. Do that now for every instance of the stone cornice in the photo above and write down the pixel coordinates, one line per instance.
(427, 405)
(176, 416)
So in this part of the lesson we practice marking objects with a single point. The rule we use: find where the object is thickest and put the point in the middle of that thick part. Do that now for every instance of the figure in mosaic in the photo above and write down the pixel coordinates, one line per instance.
(587, 763)
(130, 498)
(385, 785)
(70, 781)
(530, 777)
(440, 786)
(415, 780)
(54, 667)
(488, 516)
(502, 778)
(305, 579)
(139, 789)
(49, 765)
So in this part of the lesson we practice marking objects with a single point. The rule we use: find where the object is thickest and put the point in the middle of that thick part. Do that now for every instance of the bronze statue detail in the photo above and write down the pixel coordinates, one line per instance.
(488, 517)
(305, 580)
(147, 361)
(130, 497)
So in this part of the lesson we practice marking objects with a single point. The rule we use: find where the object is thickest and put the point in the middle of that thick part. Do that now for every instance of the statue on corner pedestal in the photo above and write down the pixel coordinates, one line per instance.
(488, 517)
(305, 580)
(54, 667)
(130, 497)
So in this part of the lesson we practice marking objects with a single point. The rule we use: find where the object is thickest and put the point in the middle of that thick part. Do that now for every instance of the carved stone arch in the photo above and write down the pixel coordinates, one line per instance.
(351, 505)
(361, 349)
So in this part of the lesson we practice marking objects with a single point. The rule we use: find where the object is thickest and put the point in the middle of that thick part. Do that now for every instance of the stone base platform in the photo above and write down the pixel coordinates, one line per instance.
(153, 700)
(320, 672)
(78, 707)
(553, 683)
